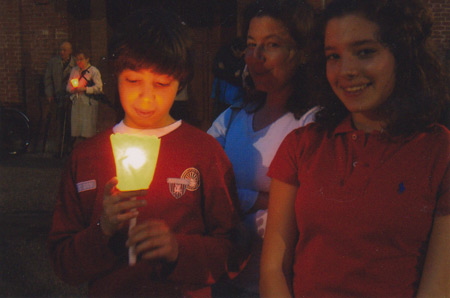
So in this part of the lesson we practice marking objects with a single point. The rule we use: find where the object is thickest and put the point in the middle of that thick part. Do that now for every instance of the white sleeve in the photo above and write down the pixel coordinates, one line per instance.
(309, 116)
(219, 127)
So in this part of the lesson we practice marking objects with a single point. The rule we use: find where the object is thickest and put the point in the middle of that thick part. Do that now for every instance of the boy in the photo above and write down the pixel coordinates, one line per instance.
(182, 242)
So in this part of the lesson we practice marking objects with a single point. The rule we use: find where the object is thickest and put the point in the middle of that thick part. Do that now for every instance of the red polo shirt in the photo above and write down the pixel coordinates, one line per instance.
(364, 207)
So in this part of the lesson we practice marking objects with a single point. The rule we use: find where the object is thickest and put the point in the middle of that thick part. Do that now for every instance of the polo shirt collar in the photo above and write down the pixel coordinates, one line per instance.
(346, 126)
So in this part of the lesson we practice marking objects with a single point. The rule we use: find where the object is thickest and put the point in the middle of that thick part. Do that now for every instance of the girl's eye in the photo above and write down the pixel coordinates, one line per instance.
(251, 45)
(366, 52)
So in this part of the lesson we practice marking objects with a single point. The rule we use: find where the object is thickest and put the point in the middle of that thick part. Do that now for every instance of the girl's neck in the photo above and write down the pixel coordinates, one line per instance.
(367, 123)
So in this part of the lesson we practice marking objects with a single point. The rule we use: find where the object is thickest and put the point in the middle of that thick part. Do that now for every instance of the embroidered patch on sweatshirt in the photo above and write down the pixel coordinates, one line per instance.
(193, 175)
(177, 186)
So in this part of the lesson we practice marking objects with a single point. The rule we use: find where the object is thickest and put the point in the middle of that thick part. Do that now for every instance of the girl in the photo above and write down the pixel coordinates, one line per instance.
(360, 200)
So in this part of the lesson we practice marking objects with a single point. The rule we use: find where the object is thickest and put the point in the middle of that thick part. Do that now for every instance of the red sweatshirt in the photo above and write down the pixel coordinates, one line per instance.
(203, 219)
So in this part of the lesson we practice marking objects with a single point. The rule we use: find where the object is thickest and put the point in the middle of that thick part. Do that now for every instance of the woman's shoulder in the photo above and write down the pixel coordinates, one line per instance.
(75, 69)
(93, 70)
(309, 116)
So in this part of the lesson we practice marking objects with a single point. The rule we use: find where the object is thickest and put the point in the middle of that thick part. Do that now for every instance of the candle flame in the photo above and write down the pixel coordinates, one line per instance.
(135, 158)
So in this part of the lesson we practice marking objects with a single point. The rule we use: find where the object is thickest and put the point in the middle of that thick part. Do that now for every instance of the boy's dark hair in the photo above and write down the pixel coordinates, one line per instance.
(298, 17)
(421, 90)
(153, 38)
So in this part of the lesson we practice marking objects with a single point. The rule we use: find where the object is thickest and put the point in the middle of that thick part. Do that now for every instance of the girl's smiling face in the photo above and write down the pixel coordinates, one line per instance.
(360, 69)
(146, 98)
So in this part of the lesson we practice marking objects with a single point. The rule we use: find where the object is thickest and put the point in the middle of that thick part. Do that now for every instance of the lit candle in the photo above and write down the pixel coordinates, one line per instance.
(74, 83)
(135, 158)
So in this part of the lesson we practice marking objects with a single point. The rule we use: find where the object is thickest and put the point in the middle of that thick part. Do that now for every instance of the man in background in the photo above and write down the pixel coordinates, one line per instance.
(54, 110)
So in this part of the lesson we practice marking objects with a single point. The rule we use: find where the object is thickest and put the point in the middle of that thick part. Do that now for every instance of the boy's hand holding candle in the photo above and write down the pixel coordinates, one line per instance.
(153, 240)
(135, 158)
(118, 208)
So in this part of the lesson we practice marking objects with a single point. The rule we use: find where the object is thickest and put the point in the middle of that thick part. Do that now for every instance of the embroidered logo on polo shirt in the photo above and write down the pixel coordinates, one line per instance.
(177, 186)
(86, 185)
(193, 175)
(401, 188)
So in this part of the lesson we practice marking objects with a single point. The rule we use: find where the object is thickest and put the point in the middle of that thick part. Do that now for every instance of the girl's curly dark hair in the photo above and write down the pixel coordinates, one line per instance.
(298, 17)
(421, 91)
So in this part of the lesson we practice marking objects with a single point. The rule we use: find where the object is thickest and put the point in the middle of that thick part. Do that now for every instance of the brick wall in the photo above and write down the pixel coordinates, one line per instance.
(31, 31)
(441, 28)
(30, 34)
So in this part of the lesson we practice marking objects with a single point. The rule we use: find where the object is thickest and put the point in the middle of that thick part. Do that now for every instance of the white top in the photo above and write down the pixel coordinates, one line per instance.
(121, 127)
(251, 152)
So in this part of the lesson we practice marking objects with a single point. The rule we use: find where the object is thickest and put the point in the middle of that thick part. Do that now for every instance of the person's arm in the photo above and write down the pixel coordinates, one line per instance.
(81, 248)
(98, 84)
(435, 281)
(252, 200)
(279, 242)
(219, 127)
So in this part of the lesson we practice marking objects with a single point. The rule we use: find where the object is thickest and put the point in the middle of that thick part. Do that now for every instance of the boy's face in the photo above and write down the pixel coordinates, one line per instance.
(147, 97)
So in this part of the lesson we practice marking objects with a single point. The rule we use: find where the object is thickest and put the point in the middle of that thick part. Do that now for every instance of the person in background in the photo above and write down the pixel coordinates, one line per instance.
(228, 67)
(84, 105)
(278, 41)
(360, 200)
(55, 82)
(186, 221)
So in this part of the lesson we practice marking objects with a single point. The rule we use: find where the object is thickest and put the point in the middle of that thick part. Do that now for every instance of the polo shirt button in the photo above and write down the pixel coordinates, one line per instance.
(354, 163)
(354, 137)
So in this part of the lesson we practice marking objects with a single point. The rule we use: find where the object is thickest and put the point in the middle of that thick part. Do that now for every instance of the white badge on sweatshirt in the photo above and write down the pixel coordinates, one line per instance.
(86, 185)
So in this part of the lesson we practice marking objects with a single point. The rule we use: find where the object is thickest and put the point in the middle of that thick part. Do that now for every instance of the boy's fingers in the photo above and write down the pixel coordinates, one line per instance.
(152, 228)
(110, 185)
(131, 194)
(126, 216)
(127, 205)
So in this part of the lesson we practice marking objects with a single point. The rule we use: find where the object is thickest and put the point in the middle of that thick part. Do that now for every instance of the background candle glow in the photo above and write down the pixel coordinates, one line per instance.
(74, 83)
